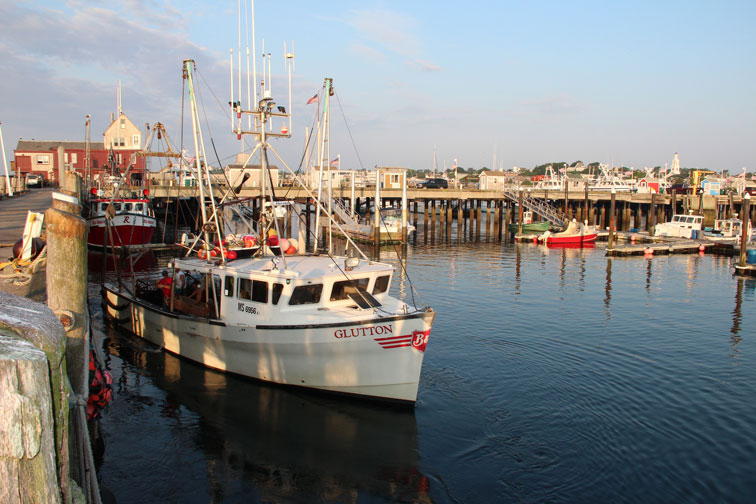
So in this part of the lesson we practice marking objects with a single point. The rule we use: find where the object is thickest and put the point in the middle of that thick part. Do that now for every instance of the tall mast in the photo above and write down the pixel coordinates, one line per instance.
(203, 171)
(87, 160)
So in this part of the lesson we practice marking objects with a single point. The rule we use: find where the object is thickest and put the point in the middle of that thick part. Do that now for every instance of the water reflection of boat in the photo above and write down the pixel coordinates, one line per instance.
(285, 444)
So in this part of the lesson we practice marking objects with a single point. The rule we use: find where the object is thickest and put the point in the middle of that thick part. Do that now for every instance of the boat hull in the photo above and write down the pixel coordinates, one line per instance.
(126, 229)
(379, 357)
(576, 239)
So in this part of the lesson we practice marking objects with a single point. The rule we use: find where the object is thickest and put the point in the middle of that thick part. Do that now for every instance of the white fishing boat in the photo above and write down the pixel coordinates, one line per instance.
(610, 180)
(681, 225)
(728, 230)
(308, 320)
(552, 181)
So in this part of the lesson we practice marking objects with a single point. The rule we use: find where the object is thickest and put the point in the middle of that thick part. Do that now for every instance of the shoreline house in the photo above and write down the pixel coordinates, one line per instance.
(493, 180)
(50, 159)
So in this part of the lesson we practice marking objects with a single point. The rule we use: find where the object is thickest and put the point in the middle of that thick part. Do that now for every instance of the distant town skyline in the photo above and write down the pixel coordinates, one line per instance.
(491, 84)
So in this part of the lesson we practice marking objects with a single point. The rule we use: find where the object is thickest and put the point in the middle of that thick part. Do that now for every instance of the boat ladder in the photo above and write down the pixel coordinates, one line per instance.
(542, 208)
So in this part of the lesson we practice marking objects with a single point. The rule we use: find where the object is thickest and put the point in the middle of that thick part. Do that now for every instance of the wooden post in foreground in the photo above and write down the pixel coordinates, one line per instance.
(67, 298)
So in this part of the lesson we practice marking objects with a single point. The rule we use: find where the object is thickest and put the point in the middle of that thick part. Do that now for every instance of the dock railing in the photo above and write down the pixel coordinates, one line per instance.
(542, 208)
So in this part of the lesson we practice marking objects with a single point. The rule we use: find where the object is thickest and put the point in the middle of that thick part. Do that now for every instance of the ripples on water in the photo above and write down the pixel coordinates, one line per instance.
(551, 375)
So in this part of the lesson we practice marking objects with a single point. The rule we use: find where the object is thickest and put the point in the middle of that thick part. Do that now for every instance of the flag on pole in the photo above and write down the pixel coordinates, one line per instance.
(313, 99)
(335, 162)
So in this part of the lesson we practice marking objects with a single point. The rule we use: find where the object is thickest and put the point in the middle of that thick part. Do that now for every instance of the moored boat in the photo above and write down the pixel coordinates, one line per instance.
(576, 232)
(120, 221)
(681, 225)
(728, 230)
(308, 320)
(528, 226)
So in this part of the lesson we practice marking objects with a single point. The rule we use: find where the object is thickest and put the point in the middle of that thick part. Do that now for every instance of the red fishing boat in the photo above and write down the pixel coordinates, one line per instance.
(576, 233)
(120, 222)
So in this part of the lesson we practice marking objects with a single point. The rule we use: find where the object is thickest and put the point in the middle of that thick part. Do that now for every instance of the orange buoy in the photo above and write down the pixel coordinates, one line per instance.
(231, 255)
(202, 254)
(249, 241)
(701, 249)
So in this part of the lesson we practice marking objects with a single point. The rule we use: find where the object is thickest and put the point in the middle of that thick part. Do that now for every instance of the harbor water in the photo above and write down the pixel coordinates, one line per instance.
(551, 375)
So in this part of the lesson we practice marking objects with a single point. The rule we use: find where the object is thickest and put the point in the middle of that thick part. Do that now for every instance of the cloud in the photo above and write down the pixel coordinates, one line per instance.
(369, 53)
(394, 31)
(63, 64)
(423, 66)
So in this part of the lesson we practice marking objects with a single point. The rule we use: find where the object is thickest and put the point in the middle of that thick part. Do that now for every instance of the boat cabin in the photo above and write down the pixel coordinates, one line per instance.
(731, 228)
(250, 291)
(681, 225)
(99, 207)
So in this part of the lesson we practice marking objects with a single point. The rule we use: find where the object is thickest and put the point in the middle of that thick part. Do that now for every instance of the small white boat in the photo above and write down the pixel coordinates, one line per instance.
(681, 226)
(728, 230)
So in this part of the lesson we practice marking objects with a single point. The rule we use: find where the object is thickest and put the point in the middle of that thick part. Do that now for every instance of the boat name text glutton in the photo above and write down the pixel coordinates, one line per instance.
(356, 332)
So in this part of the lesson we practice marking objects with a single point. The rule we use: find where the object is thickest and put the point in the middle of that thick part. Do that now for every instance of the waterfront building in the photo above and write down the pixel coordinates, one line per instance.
(492, 180)
(49, 159)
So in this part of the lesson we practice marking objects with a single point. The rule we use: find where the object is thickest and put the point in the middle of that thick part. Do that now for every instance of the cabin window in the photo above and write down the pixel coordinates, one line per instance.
(104, 207)
(139, 207)
(306, 294)
(229, 290)
(117, 207)
(381, 284)
(276, 294)
(342, 289)
(245, 288)
(259, 291)
(127, 207)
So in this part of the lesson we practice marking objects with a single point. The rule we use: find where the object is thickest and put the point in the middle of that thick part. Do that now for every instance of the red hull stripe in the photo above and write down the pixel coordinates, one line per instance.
(395, 341)
(407, 336)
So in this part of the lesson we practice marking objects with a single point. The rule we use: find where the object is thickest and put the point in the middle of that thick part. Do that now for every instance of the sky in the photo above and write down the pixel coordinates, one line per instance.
(492, 84)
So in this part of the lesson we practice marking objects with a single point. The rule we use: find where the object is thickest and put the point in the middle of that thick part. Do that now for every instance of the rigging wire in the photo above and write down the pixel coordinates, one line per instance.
(412, 289)
(382, 220)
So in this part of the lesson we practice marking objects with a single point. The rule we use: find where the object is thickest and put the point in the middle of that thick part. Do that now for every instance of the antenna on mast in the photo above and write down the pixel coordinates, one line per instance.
(290, 67)
(119, 108)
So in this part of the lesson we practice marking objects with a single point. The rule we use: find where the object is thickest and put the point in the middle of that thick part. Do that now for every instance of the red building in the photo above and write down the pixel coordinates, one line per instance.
(52, 158)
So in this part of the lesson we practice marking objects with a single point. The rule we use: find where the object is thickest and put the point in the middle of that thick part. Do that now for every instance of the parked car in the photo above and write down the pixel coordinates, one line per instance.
(34, 180)
(435, 183)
